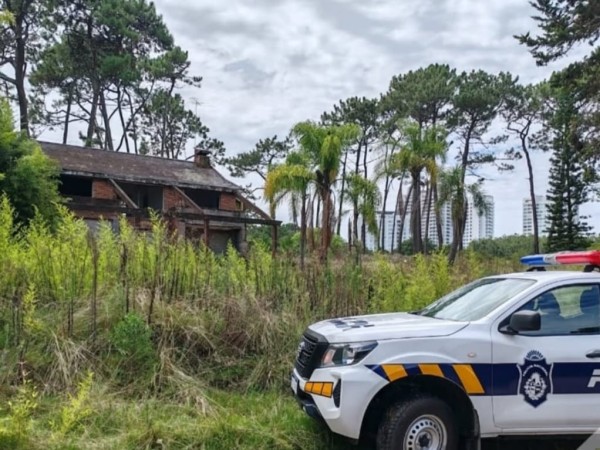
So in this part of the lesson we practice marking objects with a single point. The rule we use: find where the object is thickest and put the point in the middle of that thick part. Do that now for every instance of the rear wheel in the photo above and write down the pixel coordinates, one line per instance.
(418, 423)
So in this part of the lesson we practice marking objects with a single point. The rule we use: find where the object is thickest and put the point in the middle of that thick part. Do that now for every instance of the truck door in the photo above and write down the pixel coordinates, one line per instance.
(550, 378)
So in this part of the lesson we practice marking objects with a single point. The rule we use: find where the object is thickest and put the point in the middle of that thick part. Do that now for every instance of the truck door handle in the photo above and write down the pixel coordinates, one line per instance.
(594, 354)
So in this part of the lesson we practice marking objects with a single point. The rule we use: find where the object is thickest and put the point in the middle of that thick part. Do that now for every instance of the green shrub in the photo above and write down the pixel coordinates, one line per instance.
(132, 339)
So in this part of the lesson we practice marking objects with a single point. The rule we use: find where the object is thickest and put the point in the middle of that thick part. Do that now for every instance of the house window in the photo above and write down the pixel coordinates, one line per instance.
(72, 186)
(204, 198)
(144, 196)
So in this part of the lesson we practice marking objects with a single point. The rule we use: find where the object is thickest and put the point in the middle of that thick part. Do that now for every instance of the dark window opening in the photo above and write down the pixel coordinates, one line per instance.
(204, 198)
(71, 186)
(144, 196)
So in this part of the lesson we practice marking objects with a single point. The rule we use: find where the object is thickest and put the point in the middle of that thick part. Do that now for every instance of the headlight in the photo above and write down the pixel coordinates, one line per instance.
(346, 354)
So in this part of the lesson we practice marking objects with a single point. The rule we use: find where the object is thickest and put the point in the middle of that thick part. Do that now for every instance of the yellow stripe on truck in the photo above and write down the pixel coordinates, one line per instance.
(394, 371)
(469, 379)
(431, 369)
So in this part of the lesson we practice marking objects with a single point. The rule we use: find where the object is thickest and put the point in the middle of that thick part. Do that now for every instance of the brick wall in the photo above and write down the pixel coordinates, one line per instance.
(171, 199)
(228, 202)
(103, 189)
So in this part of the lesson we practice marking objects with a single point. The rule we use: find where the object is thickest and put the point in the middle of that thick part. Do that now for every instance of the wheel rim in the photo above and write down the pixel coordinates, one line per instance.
(426, 433)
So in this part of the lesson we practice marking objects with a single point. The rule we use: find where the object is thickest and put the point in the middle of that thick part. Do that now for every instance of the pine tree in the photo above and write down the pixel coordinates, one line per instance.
(568, 189)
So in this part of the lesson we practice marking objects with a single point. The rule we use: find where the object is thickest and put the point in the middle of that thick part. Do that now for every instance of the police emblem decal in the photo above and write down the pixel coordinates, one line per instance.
(535, 381)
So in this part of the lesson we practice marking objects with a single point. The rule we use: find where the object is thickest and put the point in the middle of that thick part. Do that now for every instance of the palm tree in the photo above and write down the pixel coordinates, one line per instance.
(454, 191)
(365, 198)
(324, 146)
(292, 179)
(420, 151)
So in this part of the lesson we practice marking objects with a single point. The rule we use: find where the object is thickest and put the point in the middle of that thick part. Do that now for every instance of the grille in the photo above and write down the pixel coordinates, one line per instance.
(309, 353)
(337, 394)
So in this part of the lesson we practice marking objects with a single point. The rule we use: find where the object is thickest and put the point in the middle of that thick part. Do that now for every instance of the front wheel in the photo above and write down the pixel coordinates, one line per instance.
(418, 423)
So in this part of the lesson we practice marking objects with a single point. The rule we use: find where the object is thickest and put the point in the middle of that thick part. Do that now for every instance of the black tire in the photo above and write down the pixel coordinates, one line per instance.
(412, 415)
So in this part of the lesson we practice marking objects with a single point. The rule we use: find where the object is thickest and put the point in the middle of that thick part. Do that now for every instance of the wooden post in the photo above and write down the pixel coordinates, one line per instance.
(206, 232)
(274, 239)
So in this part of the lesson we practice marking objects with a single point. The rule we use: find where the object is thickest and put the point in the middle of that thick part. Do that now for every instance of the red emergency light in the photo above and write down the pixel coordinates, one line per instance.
(588, 258)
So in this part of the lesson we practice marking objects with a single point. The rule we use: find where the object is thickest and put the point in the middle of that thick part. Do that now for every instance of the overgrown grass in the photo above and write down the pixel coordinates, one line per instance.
(187, 349)
(222, 421)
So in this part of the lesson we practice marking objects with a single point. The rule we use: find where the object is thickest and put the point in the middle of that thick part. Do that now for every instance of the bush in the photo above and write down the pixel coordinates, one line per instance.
(132, 339)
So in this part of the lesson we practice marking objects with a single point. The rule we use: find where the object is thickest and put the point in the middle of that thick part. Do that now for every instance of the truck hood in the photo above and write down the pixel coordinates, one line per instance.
(384, 326)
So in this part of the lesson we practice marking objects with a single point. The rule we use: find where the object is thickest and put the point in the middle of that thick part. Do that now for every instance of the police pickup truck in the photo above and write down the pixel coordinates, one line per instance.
(515, 354)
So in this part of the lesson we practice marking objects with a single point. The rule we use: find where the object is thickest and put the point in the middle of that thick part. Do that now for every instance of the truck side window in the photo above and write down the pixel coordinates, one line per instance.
(567, 310)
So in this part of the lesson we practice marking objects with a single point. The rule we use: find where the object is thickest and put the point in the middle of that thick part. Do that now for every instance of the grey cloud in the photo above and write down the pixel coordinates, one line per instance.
(349, 19)
(252, 75)
(268, 64)
(195, 21)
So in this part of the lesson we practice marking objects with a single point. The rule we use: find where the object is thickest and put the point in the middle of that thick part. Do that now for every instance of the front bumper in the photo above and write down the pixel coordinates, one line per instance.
(344, 410)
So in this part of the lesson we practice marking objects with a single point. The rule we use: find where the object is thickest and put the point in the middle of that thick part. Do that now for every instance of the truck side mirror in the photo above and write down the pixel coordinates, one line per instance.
(523, 321)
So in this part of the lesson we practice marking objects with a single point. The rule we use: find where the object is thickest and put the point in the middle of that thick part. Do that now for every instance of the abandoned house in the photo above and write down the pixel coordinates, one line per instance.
(193, 198)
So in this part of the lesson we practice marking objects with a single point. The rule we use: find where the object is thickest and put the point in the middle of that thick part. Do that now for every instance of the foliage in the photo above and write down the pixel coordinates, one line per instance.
(407, 248)
(23, 27)
(506, 247)
(568, 188)
(423, 95)
(523, 110)
(131, 337)
(76, 410)
(292, 180)
(217, 351)
(364, 113)
(364, 195)
(261, 235)
(22, 161)
(563, 24)
(17, 425)
(167, 126)
(455, 192)
(265, 155)
(324, 146)
(115, 69)
(420, 151)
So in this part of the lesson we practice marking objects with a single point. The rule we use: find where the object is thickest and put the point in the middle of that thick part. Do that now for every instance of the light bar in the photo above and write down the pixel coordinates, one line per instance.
(591, 257)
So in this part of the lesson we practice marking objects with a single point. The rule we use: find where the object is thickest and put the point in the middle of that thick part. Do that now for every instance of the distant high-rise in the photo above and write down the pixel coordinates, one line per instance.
(542, 215)
(477, 226)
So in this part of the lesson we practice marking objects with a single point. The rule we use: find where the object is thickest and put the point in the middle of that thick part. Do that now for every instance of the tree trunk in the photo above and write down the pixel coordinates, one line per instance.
(325, 223)
(92, 122)
(349, 236)
(464, 164)
(438, 219)
(124, 137)
(428, 199)
(342, 192)
(456, 235)
(303, 230)
(403, 219)
(536, 231)
(67, 116)
(397, 210)
(318, 215)
(20, 66)
(363, 228)
(357, 243)
(358, 153)
(312, 225)
(107, 131)
(415, 216)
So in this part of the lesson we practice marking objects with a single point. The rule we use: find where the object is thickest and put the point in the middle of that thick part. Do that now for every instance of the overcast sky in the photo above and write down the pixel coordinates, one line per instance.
(268, 64)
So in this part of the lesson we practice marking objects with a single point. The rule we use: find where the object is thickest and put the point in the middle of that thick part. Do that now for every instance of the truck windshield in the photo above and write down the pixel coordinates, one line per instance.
(476, 300)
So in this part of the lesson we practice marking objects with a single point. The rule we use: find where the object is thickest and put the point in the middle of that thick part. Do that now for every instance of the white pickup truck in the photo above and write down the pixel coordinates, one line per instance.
(515, 354)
